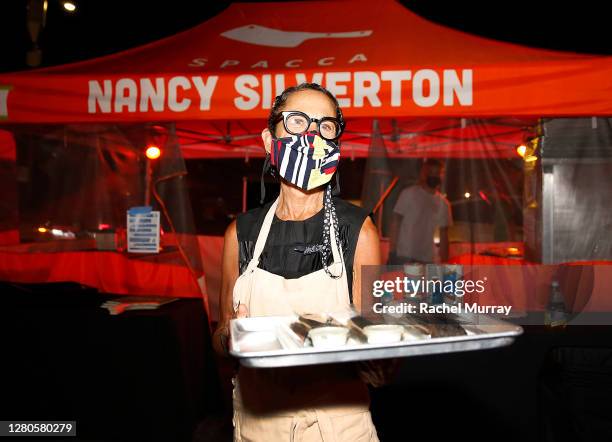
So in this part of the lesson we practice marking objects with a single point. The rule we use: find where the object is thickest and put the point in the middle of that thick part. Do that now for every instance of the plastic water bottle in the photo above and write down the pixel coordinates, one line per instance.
(555, 314)
(435, 281)
(453, 273)
(415, 275)
(387, 298)
(437, 295)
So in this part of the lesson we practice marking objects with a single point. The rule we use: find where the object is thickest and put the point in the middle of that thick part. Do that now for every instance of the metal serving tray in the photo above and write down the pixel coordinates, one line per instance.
(277, 346)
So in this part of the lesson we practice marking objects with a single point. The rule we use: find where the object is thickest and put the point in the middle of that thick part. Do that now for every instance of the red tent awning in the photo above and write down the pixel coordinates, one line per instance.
(378, 58)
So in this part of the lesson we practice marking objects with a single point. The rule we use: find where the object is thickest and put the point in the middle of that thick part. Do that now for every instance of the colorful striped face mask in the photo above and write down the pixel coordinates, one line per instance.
(306, 160)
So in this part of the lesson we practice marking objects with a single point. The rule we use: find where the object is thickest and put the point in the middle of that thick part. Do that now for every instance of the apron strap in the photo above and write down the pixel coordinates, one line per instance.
(263, 236)
(337, 254)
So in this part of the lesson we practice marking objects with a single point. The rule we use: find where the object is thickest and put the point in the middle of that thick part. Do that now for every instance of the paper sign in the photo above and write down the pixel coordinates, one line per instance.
(143, 230)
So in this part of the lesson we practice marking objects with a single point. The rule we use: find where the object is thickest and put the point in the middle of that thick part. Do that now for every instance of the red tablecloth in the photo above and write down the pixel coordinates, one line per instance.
(109, 272)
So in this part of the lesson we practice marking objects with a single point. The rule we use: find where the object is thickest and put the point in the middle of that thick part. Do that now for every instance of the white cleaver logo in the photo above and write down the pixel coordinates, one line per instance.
(260, 35)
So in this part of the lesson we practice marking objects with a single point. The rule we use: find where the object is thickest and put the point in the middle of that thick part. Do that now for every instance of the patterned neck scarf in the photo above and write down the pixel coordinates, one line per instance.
(329, 218)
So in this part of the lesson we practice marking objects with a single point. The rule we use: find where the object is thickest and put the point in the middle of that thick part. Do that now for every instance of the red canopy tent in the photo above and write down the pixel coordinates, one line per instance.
(217, 80)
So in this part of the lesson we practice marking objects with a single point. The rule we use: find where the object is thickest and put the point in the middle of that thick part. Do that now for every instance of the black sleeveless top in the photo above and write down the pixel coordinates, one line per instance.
(285, 252)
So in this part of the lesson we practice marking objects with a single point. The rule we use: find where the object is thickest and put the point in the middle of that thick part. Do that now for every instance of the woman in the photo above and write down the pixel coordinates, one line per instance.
(302, 253)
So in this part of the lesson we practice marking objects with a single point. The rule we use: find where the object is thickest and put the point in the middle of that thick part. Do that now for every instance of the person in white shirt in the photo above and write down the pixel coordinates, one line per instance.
(419, 211)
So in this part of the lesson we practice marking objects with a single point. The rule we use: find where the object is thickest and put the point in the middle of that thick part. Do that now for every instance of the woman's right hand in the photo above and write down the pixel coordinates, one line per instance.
(241, 312)
(229, 275)
(222, 334)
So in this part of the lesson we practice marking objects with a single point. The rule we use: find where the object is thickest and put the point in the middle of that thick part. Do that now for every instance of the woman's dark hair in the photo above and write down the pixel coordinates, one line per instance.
(281, 99)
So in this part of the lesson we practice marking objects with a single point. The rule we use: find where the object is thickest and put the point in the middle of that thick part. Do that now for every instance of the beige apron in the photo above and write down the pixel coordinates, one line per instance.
(326, 403)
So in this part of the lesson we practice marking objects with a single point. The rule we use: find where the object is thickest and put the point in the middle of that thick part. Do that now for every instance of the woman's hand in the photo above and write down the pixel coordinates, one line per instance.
(228, 279)
(378, 372)
(222, 334)
(241, 312)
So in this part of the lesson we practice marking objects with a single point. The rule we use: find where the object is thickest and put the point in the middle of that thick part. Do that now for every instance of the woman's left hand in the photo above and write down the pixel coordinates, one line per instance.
(378, 372)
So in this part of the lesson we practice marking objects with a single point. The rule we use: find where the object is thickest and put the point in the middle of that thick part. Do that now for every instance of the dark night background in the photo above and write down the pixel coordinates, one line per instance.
(100, 27)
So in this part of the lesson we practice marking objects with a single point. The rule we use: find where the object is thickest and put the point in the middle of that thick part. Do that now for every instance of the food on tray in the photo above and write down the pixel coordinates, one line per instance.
(328, 337)
(284, 341)
(412, 333)
(413, 327)
(334, 333)
(313, 320)
(437, 325)
(323, 331)
(383, 333)
(300, 329)
(444, 330)
(356, 325)
(360, 322)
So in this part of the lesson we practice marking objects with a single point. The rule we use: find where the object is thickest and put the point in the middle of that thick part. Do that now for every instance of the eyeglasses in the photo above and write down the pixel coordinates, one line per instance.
(296, 123)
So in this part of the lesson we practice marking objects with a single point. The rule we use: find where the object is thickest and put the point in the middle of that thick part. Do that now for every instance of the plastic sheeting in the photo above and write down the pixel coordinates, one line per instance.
(515, 216)
(482, 180)
(72, 188)
(518, 223)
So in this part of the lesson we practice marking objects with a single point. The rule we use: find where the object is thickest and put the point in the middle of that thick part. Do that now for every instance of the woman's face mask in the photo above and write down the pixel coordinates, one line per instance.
(307, 161)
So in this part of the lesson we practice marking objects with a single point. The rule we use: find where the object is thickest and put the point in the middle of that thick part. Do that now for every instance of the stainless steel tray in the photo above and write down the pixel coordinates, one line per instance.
(284, 351)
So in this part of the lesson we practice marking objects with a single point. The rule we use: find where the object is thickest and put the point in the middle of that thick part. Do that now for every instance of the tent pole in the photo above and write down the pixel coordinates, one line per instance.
(148, 183)
(244, 194)
(380, 212)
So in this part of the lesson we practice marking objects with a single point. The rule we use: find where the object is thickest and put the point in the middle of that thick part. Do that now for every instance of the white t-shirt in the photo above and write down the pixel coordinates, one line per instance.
(422, 212)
